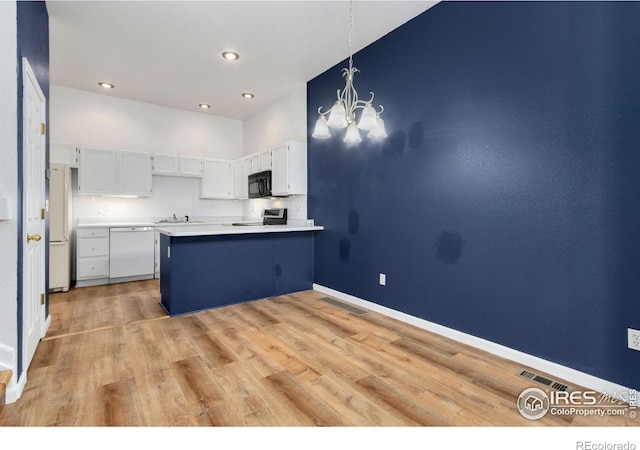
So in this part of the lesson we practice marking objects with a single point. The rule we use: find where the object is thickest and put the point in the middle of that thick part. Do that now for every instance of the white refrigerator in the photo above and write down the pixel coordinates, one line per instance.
(59, 228)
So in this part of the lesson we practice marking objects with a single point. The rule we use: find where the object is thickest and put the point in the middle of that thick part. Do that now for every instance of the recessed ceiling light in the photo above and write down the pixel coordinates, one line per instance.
(247, 95)
(204, 106)
(231, 56)
(106, 85)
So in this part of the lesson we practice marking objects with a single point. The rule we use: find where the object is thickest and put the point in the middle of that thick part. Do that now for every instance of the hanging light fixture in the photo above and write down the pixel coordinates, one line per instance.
(343, 112)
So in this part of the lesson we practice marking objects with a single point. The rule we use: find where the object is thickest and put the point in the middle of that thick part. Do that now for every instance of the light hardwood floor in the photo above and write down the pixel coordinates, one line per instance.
(112, 357)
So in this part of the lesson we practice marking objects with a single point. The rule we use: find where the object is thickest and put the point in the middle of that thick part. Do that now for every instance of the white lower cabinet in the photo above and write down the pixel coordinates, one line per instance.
(92, 256)
(156, 266)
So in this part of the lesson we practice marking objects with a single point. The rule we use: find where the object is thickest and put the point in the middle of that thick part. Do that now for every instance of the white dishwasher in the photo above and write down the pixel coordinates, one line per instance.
(131, 252)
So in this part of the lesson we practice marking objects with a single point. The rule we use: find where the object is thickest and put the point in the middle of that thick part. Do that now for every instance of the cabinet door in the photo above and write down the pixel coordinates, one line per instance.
(280, 174)
(97, 171)
(242, 169)
(217, 179)
(64, 153)
(265, 160)
(190, 167)
(165, 165)
(237, 179)
(135, 174)
(246, 170)
(256, 163)
(289, 170)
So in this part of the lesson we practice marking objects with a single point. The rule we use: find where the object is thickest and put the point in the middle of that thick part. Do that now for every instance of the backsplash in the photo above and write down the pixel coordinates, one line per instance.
(179, 196)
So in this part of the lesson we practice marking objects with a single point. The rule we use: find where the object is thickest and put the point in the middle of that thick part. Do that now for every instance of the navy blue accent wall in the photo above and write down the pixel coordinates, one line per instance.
(33, 43)
(505, 202)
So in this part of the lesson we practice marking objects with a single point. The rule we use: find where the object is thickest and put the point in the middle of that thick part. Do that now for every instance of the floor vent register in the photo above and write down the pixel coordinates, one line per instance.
(345, 306)
(555, 385)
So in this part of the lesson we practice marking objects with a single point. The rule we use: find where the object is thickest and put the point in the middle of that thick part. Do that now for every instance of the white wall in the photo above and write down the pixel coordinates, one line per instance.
(86, 118)
(104, 121)
(284, 120)
(8, 184)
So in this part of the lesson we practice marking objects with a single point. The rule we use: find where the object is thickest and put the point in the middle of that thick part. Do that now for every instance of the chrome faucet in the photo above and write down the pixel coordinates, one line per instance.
(175, 219)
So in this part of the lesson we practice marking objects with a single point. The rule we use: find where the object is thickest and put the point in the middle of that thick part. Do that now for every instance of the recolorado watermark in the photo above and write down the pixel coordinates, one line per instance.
(588, 445)
(534, 404)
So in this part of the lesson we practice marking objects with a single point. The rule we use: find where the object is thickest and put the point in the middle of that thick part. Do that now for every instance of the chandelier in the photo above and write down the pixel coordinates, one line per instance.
(343, 112)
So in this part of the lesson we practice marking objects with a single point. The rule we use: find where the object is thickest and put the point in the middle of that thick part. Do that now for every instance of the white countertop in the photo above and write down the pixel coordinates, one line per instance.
(113, 222)
(224, 229)
(200, 226)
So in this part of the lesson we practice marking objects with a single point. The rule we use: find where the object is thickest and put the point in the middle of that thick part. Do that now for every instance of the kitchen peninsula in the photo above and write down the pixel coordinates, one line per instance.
(207, 266)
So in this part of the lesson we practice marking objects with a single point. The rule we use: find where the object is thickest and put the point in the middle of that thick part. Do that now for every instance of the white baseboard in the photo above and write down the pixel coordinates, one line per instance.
(14, 390)
(551, 368)
(7, 357)
(9, 361)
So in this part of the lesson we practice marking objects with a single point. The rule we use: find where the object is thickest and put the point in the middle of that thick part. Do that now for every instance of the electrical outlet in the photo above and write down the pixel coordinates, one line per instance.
(634, 339)
(383, 279)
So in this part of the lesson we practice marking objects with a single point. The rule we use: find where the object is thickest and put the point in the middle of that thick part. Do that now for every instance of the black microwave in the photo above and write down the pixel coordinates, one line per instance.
(260, 184)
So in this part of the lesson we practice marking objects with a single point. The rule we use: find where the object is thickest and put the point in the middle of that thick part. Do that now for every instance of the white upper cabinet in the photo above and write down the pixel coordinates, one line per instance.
(289, 172)
(256, 163)
(113, 172)
(261, 161)
(165, 165)
(217, 179)
(241, 170)
(134, 174)
(265, 160)
(64, 153)
(177, 166)
(190, 167)
(97, 171)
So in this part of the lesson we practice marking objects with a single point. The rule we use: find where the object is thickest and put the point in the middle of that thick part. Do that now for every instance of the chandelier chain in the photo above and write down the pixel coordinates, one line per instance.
(351, 32)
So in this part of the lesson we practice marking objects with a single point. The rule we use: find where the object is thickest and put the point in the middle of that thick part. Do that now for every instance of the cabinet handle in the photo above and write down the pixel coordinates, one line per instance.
(33, 237)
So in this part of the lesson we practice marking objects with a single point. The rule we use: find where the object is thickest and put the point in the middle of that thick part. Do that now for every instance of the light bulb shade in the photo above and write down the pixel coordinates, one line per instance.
(353, 134)
(321, 131)
(368, 119)
(379, 132)
(337, 116)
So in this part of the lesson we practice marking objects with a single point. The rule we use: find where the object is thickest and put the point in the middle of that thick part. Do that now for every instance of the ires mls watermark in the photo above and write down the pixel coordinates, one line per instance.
(534, 403)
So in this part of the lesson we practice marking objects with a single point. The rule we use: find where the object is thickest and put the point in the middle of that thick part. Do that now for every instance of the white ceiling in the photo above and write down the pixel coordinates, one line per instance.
(169, 52)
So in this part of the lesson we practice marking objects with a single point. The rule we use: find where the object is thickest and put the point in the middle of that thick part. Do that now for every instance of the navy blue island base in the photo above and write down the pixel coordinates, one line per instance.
(207, 271)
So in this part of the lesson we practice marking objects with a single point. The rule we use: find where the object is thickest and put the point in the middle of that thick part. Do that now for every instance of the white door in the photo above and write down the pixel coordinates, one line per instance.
(34, 129)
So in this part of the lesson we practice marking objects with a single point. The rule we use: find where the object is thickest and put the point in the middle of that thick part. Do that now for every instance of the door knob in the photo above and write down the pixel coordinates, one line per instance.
(33, 237)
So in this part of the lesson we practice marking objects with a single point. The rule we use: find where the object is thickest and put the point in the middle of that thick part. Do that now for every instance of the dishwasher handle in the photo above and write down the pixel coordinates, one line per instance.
(130, 229)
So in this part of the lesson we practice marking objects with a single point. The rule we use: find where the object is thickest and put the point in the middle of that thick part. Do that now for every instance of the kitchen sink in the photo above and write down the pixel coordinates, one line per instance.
(178, 222)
